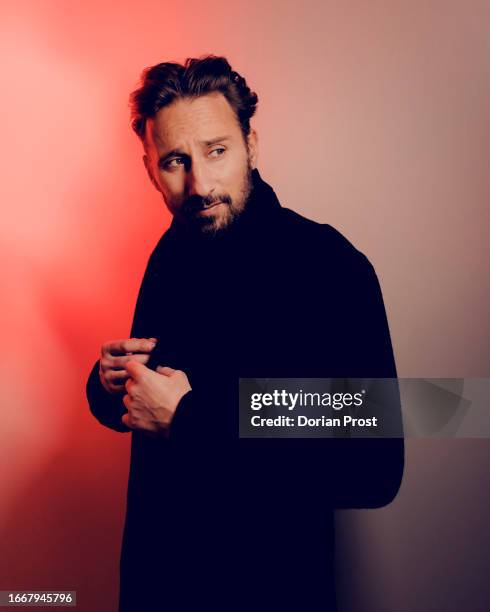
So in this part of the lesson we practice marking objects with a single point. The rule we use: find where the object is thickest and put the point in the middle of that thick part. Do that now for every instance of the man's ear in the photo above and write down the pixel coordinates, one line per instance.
(146, 161)
(253, 147)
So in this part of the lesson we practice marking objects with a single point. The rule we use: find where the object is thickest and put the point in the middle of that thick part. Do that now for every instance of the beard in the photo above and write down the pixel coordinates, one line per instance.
(227, 212)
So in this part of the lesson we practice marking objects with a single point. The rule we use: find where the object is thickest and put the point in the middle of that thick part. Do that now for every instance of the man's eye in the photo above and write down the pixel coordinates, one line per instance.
(173, 163)
(219, 151)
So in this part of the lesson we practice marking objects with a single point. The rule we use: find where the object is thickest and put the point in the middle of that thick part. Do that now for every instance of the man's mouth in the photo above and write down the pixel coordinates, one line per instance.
(207, 207)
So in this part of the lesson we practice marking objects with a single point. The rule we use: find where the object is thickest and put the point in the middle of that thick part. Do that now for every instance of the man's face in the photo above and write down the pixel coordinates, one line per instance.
(197, 158)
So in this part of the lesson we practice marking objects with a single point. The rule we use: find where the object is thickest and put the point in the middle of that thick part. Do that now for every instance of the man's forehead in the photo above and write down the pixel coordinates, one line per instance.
(203, 118)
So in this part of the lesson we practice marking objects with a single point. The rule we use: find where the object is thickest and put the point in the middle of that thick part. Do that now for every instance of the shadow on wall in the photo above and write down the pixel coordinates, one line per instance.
(430, 549)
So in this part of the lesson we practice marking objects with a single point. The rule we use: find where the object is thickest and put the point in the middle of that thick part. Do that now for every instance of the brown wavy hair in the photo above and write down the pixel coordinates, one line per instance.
(163, 83)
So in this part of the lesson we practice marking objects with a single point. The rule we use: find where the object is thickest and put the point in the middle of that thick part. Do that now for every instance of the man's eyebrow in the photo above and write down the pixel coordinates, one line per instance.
(178, 153)
(209, 143)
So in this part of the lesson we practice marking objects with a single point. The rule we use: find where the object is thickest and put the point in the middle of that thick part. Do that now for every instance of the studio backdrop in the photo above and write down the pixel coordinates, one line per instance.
(373, 118)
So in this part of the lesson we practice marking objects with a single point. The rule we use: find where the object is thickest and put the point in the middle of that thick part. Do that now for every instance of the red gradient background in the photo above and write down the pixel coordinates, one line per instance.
(372, 117)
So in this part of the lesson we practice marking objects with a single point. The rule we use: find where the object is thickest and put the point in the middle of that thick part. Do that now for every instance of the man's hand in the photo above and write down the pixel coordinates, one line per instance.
(152, 397)
(114, 356)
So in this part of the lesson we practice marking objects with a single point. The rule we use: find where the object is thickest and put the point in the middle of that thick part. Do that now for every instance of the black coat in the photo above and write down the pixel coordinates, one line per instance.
(218, 521)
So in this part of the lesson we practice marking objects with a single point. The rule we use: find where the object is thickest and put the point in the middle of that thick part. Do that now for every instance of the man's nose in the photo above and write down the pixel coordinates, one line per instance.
(199, 180)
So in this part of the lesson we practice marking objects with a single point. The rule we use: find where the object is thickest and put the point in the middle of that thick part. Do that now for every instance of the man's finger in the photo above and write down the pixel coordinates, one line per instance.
(128, 345)
(165, 370)
(114, 388)
(126, 420)
(119, 363)
(116, 376)
(127, 385)
(135, 369)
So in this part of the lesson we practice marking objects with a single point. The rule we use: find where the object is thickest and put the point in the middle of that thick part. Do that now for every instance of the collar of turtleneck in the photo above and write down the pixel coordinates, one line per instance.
(261, 208)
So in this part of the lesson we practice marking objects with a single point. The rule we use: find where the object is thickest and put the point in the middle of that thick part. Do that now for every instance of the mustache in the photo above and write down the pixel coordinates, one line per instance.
(195, 203)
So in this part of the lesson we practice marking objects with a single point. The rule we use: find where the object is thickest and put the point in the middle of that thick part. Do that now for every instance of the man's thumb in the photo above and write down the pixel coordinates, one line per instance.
(135, 368)
(165, 370)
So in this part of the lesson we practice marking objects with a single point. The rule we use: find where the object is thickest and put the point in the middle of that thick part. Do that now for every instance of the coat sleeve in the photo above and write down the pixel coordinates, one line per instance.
(106, 407)
(186, 422)
(334, 472)
(366, 472)
(204, 415)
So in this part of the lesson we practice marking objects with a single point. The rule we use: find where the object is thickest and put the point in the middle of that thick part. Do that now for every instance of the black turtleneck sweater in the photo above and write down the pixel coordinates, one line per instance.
(229, 523)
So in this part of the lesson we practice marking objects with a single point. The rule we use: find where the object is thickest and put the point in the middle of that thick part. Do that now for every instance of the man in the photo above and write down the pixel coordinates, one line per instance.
(239, 286)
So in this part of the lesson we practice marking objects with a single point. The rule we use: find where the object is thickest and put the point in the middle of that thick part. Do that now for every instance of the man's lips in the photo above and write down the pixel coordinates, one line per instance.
(207, 207)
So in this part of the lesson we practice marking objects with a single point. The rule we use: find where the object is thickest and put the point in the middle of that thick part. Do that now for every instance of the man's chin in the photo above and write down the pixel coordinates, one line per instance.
(212, 221)
(214, 226)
